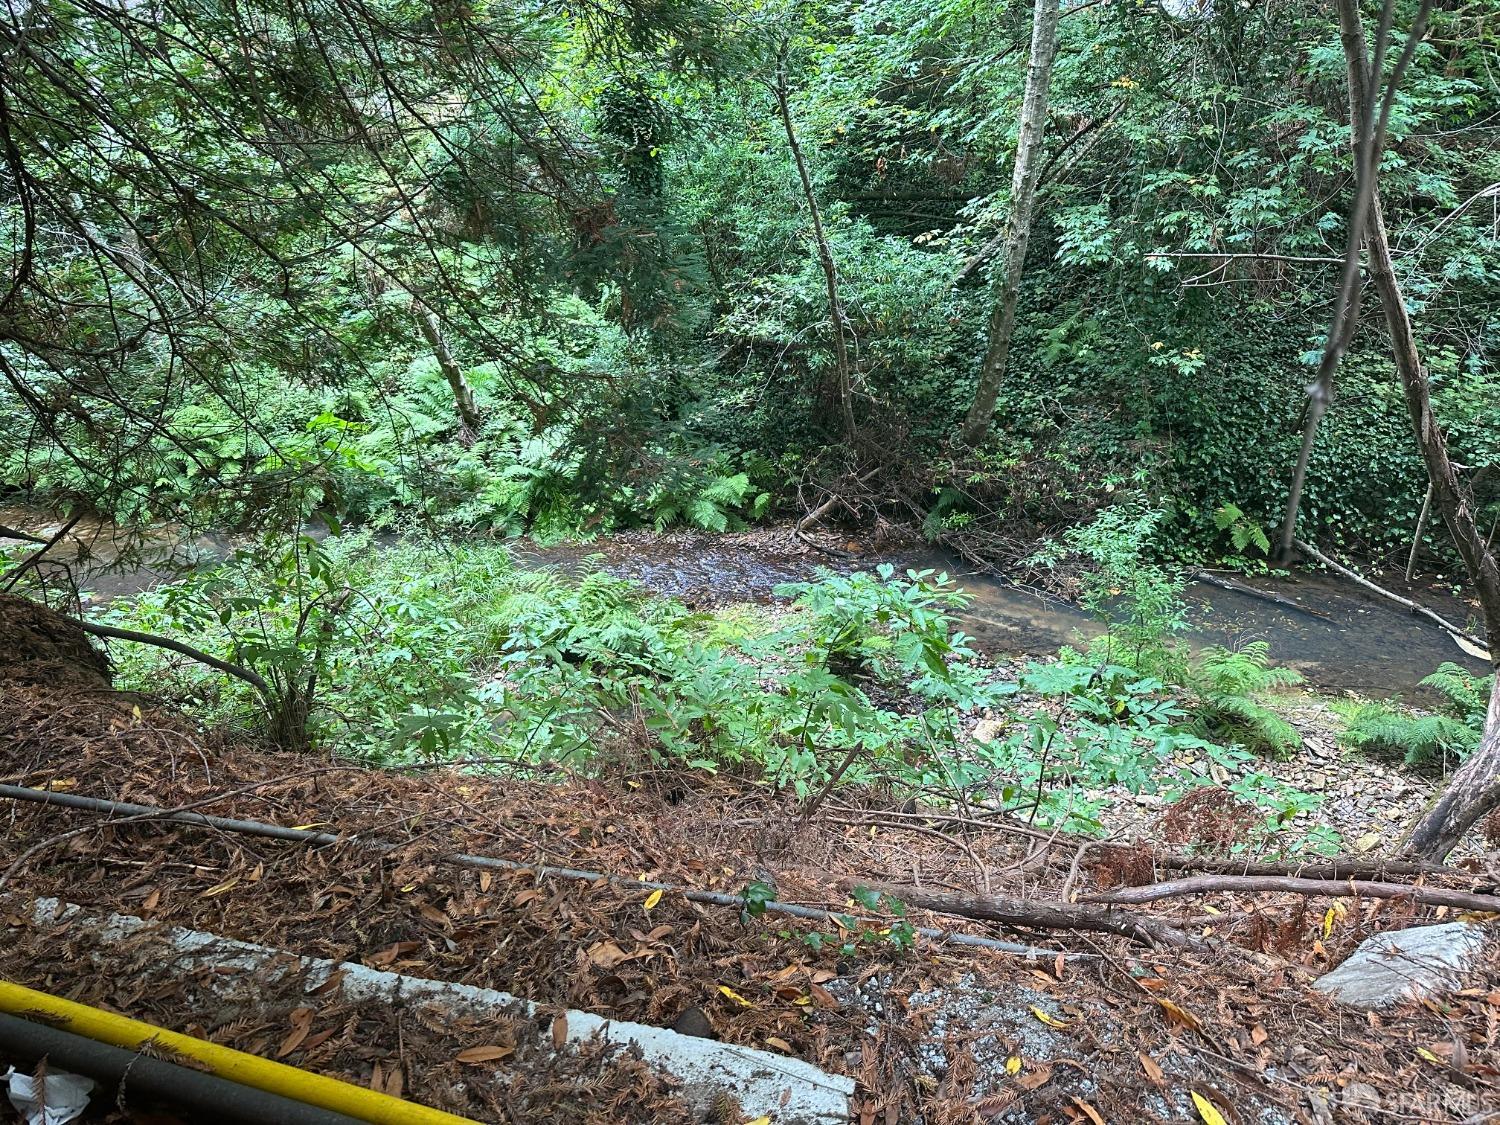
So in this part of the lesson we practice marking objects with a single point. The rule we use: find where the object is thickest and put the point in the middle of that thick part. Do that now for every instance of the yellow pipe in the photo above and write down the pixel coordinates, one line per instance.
(236, 1066)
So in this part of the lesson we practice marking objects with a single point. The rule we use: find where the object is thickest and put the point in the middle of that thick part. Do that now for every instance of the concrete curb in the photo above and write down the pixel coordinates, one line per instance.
(786, 1090)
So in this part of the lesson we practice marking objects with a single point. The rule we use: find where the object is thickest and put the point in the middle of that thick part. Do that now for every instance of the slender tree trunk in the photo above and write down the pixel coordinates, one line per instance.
(463, 394)
(1367, 129)
(1416, 539)
(1471, 794)
(843, 379)
(1473, 789)
(1023, 185)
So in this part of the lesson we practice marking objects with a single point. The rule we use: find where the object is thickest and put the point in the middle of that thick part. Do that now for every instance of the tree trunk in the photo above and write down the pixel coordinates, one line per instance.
(1473, 789)
(1416, 539)
(463, 394)
(843, 380)
(1023, 185)
(1471, 793)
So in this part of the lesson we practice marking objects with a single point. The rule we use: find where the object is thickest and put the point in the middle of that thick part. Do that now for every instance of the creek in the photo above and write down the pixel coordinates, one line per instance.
(1345, 639)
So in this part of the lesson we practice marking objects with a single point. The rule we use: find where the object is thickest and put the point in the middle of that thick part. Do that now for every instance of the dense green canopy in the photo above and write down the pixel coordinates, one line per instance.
(226, 222)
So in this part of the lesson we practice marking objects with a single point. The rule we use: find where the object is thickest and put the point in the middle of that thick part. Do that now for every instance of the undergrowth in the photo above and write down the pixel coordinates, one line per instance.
(417, 653)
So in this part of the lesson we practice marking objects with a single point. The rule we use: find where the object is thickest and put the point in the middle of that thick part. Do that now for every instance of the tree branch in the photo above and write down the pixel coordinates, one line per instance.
(251, 677)
(1315, 888)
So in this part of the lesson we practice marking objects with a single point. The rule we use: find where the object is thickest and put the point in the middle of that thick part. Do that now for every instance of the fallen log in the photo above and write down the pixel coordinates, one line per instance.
(1044, 915)
(1414, 607)
(1317, 888)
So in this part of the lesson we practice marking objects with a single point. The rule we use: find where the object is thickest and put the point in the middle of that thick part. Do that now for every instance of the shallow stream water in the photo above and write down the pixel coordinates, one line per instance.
(1344, 639)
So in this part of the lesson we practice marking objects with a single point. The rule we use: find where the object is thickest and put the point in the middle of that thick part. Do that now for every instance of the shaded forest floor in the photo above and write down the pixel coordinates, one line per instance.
(934, 1034)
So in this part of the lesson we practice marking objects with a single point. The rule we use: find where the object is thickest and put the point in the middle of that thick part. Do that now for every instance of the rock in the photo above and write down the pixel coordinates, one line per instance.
(987, 730)
(694, 1022)
(1402, 965)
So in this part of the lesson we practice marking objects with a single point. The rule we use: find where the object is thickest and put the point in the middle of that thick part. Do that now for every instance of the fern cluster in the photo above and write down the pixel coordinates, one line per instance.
(1452, 732)
(1228, 684)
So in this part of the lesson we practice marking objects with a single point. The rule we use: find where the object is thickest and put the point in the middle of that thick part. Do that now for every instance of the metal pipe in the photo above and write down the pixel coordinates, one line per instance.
(236, 1066)
(464, 859)
(144, 1077)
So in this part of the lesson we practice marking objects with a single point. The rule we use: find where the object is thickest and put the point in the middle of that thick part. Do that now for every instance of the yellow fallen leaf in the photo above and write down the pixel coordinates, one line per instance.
(1013, 1064)
(1050, 1021)
(652, 899)
(1328, 917)
(1207, 1110)
(761, 1120)
(1178, 1014)
(1424, 1053)
(314, 824)
(735, 996)
(780, 1044)
(227, 884)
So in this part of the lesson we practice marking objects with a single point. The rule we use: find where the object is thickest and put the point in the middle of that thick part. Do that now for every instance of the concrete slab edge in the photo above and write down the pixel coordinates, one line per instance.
(786, 1090)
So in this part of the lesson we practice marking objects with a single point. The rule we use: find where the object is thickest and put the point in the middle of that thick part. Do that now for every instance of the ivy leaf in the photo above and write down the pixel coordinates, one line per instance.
(867, 898)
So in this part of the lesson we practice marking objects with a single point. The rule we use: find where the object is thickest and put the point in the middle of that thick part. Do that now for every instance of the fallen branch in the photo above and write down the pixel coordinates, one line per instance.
(253, 678)
(1416, 539)
(894, 825)
(833, 501)
(999, 822)
(1044, 915)
(1365, 583)
(1337, 867)
(835, 552)
(15, 533)
(1316, 888)
(1251, 591)
(131, 813)
(135, 814)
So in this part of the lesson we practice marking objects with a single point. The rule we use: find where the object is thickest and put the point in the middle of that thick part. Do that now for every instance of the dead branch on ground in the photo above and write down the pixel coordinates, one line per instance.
(1317, 888)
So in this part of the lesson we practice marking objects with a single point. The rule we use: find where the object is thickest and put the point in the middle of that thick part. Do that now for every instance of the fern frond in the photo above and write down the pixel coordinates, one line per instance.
(1381, 727)
(1468, 695)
